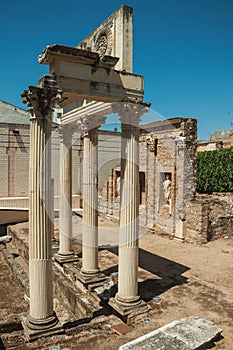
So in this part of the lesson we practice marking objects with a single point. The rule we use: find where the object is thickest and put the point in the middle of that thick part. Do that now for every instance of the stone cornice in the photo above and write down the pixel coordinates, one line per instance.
(55, 51)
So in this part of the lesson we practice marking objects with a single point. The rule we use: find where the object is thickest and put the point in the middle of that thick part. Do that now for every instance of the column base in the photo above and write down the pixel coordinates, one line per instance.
(62, 259)
(91, 281)
(55, 246)
(129, 311)
(45, 328)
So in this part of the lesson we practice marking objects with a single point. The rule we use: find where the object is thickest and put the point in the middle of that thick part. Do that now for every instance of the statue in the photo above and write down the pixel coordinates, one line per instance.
(167, 189)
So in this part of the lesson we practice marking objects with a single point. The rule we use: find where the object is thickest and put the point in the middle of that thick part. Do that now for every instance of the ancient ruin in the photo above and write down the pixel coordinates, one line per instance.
(150, 185)
(84, 75)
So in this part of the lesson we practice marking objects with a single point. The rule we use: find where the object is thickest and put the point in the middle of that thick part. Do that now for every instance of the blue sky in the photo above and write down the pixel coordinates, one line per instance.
(184, 49)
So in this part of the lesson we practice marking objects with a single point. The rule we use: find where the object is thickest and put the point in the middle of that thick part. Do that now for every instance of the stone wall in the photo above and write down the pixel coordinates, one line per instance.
(168, 150)
(209, 217)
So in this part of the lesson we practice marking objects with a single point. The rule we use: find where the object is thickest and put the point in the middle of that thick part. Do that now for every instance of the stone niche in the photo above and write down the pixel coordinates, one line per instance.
(114, 37)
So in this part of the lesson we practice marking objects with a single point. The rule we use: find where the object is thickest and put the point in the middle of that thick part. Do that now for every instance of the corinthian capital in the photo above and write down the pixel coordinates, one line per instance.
(130, 113)
(90, 122)
(40, 100)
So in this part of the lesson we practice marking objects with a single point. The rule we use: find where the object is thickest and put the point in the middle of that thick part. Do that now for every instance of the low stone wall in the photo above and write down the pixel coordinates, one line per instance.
(209, 217)
(79, 301)
(18, 233)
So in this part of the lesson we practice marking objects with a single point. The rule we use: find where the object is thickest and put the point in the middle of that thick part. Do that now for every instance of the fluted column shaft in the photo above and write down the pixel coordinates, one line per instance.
(129, 225)
(39, 227)
(65, 202)
(127, 296)
(90, 203)
(40, 101)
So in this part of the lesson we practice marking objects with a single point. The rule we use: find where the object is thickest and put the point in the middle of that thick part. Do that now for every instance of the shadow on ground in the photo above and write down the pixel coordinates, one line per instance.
(167, 273)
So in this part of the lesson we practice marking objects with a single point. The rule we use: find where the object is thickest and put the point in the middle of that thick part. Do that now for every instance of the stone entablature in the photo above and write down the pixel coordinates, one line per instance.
(82, 74)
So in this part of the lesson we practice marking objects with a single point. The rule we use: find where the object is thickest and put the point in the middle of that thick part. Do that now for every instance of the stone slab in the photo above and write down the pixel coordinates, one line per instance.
(190, 333)
(122, 328)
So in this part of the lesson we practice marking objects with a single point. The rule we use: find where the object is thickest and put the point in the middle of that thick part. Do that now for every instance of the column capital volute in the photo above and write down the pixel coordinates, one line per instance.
(130, 113)
(41, 100)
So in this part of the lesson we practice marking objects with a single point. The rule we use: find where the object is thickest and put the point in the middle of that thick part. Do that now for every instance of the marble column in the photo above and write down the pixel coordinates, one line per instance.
(127, 299)
(65, 253)
(42, 319)
(90, 271)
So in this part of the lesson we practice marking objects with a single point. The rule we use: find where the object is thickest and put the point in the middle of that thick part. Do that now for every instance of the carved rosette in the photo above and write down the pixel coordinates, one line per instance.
(41, 101)
(104, 41)
(130, 113)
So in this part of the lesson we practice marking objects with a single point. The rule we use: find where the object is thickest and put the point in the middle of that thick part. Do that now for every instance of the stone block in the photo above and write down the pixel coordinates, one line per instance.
(190, 333)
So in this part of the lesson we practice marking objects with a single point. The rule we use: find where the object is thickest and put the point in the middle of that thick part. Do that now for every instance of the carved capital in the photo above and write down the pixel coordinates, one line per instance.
(129, 113)
(40, 100)
(67, 129)
(90, 122)
(66, 132)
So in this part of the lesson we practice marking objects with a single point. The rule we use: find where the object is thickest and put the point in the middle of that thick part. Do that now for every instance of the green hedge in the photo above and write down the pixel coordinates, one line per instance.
(215, 171)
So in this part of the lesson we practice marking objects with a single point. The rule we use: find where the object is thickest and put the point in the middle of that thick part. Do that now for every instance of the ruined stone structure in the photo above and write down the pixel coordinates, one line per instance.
(225, 137)
(167, 157)
(219, 140)
(90, 82)
(209, 217)
(76, 77)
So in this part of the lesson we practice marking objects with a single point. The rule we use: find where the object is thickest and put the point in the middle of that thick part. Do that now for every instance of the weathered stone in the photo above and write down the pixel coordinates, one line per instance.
(114, 37)
(5, 239)
(190, 333)
(209, 217)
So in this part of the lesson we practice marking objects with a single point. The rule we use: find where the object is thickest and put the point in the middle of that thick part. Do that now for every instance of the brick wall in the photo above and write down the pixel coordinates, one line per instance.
(14, 148)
